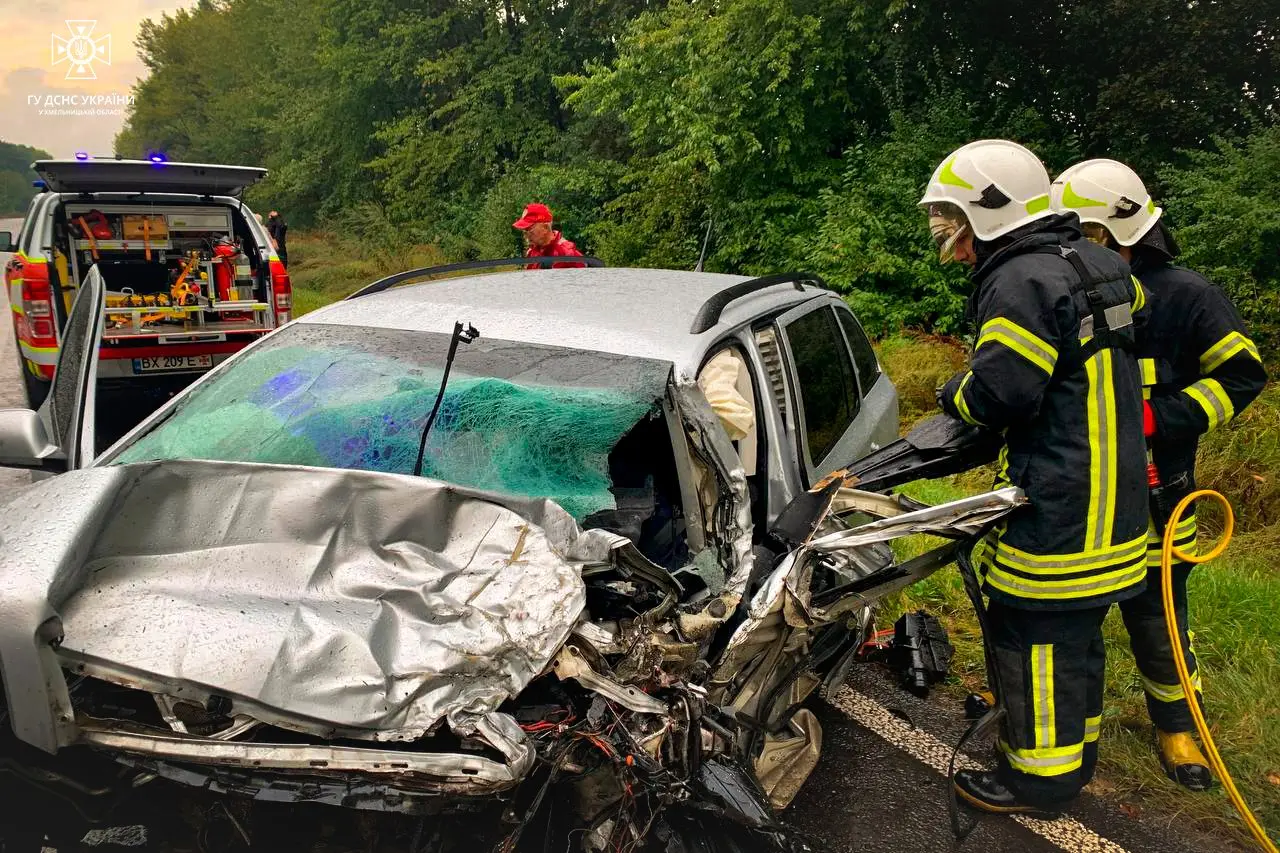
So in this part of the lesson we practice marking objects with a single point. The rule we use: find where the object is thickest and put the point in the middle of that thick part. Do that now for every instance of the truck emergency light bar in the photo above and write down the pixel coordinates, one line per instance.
(470, 266)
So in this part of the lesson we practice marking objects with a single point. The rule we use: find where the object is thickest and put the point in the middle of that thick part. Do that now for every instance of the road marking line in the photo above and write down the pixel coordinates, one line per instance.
(1067, 833)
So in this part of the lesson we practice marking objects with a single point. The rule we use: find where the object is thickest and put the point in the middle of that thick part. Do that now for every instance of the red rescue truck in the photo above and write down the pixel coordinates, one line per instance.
(190, 272)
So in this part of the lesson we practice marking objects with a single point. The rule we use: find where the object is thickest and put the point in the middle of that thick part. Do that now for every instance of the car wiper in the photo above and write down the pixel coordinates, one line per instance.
(464, 334)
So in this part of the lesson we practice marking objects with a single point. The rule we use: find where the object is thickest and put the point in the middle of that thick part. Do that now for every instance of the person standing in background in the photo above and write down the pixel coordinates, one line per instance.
(541, 237)
(278, 229)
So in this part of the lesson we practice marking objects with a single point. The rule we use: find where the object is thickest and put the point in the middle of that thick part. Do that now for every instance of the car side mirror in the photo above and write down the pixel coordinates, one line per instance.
(24, 442)
(6, 242)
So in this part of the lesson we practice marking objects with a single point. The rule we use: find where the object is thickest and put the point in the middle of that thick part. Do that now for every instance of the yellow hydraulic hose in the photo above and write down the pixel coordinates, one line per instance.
(1167, 555)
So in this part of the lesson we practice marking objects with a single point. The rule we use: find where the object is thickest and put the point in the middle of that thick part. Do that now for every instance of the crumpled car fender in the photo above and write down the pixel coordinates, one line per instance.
(340, 603)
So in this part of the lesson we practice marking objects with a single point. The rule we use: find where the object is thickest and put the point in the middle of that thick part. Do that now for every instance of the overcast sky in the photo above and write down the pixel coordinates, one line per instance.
(27, 69)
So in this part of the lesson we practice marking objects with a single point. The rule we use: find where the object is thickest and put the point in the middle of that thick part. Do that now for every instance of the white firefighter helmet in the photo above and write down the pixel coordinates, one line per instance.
(1110, 194)
(998, 185)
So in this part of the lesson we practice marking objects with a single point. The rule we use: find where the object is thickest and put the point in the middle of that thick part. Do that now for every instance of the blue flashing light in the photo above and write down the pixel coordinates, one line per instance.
(82, 155)
(38, 184)
(157, 157)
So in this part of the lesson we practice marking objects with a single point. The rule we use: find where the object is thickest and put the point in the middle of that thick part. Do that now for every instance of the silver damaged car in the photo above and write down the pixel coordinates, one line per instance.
(481, 545)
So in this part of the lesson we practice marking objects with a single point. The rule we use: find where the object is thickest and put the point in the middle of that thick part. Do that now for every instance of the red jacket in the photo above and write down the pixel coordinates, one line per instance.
(557, 248)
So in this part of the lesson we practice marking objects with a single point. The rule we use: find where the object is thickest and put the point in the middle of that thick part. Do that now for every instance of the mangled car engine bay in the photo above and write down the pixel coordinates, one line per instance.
(388, 643)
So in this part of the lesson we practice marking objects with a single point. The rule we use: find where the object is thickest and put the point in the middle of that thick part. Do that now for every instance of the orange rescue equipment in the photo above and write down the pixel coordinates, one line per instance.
(94, 227)
(224, 270)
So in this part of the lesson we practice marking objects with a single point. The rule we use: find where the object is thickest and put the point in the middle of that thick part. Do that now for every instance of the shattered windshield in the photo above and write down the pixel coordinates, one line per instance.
(518, 419)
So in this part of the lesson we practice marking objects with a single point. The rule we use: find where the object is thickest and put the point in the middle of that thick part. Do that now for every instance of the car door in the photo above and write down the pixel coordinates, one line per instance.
(824, 393)
(60, 436)
(68, 411)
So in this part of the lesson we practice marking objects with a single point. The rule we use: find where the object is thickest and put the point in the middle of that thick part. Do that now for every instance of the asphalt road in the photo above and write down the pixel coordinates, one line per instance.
(880, 784)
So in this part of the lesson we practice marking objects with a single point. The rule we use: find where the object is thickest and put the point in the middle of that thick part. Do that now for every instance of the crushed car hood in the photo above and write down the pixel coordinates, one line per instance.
(342, 603)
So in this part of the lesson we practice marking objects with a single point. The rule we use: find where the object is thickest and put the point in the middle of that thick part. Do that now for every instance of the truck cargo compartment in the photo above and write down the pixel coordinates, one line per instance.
(174, 273)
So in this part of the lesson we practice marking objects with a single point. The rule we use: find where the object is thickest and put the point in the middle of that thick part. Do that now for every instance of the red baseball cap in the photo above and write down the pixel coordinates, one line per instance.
(533, 214)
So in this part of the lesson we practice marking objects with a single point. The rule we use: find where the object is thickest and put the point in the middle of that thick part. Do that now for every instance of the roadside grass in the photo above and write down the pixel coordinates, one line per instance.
(1234, 602)
(325, 267)
(918, 364)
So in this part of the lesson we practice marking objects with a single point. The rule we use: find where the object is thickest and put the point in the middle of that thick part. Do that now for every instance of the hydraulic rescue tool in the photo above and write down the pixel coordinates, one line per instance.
(183, 292)
(937, 447)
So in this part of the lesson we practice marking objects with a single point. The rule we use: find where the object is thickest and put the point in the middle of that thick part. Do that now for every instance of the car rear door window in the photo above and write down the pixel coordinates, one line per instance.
(828, 392)
(864, 357)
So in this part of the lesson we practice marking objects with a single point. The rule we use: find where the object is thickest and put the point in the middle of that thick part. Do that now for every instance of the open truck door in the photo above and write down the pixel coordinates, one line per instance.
(60, 436)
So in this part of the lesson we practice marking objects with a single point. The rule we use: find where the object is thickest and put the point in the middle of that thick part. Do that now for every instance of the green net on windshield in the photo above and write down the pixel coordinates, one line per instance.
(351, 409)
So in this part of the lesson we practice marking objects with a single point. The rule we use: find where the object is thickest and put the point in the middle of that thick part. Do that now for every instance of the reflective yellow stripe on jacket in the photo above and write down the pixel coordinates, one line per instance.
(1147, 366)
(962, 405)
(1227, 348)
(1184, 539)
(1001, 330)
(1102, 450)
(1212, 397)
(1139, 295)
(1068, 576)
(1100, 568)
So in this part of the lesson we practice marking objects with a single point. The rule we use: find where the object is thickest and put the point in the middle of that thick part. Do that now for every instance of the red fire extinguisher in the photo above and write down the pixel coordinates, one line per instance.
(224, 270)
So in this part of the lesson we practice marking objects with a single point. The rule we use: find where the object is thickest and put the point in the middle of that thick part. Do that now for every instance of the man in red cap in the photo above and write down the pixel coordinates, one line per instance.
(542, 239)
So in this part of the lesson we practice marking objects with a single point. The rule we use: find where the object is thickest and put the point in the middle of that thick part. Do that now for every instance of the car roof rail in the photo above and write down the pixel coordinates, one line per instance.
(709, 314)
(465, 266)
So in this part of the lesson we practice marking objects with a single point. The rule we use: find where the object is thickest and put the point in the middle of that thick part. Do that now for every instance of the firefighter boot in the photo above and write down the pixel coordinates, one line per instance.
(1183, 761)
(983, 790)
(978, 704)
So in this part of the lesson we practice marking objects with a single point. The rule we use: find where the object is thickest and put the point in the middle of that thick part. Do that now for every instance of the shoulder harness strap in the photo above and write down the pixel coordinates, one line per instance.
(1100, 324)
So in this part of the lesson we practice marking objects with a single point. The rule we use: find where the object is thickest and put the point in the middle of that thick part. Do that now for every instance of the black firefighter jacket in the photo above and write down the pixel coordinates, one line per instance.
(1070, 407)
(1199, 369)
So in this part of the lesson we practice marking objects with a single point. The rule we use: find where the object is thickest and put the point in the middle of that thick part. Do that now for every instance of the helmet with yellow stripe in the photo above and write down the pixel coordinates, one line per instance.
(1108, 194)
(996, 184)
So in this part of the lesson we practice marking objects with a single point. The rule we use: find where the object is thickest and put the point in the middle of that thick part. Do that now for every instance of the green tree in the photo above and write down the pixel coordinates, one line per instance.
(803, 130)
(307, 108)
(1224, 206)
(1130, 79)
(870, 237)
(490, 107)
(16, 176)
(733, 111)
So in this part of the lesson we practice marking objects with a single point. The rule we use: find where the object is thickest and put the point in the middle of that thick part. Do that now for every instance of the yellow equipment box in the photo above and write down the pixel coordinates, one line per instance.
(158, 226)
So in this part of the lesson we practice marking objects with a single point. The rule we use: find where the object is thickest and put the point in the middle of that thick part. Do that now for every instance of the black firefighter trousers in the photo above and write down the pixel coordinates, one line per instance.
(1153, 653)
(1050, 667)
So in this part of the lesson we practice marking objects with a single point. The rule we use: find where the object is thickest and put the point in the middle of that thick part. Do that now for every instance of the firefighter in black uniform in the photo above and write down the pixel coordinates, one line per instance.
(1199, 369)
(1050, 368)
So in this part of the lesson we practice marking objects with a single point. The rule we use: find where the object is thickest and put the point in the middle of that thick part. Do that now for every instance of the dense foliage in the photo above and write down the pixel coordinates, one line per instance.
(802, 130)
(16, 176)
